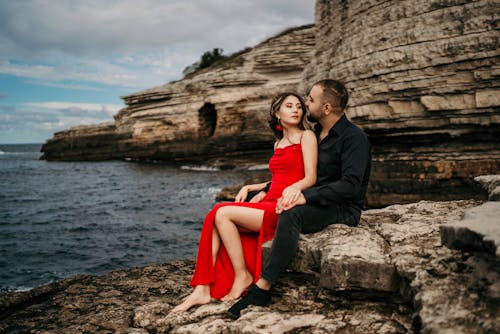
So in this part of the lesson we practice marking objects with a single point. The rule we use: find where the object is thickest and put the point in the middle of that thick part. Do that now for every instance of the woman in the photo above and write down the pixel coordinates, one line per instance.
(230, 250)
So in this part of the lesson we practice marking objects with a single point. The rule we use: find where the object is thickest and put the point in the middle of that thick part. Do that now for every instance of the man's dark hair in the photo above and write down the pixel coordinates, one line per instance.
(334, 92)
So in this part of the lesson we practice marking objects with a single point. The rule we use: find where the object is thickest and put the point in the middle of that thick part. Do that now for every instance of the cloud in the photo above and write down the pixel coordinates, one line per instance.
(13, 118)
(64, 84)
(87, 71)
(73, 109)
(45, 118)
(128, 43)
(96, 27)
(6, 109)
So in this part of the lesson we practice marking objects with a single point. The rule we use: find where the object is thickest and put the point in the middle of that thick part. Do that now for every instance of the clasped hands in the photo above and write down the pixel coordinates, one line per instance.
(291, 197)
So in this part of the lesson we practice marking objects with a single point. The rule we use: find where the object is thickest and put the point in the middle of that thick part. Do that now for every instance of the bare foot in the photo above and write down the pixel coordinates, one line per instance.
(240, 284)
(199, 296)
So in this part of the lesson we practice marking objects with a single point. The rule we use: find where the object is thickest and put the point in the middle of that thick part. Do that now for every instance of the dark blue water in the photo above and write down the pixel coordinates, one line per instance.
(59, 219)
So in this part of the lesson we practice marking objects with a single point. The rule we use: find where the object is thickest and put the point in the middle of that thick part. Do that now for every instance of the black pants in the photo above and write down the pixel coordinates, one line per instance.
(302, 219)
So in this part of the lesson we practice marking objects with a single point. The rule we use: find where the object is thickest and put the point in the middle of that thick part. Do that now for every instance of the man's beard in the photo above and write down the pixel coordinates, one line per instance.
(311, 118)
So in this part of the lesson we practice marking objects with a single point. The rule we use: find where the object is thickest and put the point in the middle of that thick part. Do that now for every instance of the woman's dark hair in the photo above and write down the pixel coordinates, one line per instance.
(275, 106)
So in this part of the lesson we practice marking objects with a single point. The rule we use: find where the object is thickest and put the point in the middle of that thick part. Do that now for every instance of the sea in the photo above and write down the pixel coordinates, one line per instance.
(59, 219)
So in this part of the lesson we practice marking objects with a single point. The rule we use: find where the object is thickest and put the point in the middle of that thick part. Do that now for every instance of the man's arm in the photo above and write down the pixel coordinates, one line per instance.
(354, 159)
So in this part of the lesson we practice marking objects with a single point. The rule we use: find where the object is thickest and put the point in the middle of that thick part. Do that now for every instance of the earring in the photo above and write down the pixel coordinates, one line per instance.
(278, 126)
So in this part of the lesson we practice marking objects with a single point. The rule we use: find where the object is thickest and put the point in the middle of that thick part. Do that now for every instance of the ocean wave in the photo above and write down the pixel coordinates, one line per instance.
(11, 153)
(201, 168)
(10, 288)
(258, 167)
(6, 153)
(78, 218)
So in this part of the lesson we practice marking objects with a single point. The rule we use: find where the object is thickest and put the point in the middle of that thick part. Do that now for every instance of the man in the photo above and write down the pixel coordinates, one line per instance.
(344, 162)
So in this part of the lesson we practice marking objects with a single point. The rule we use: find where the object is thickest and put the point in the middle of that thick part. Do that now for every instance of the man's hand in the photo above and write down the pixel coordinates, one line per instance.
(281, 206)
(257, 198)
(290, 194)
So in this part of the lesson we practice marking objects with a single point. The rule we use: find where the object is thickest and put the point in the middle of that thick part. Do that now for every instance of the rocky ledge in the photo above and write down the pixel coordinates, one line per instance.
(392, 274)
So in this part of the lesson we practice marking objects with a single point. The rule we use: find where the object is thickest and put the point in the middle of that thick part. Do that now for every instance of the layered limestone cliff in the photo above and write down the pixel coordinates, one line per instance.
(220, 111)
(424, 82)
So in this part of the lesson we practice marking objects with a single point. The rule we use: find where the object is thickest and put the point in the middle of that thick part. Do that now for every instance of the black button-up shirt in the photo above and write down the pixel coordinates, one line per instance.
(344, 162)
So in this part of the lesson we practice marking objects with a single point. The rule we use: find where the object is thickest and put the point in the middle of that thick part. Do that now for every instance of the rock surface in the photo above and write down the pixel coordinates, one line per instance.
(391, 274)
(492, 184)
(479, 230)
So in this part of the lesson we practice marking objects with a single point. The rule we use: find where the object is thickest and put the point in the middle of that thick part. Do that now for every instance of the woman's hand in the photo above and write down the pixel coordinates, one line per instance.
(259, 197)
(290, 195)
(242, 194)
(280, 207)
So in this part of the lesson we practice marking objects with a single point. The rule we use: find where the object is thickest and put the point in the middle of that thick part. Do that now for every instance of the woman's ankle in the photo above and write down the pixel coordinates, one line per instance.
(202, 289)
(243, 275)
(263, 284)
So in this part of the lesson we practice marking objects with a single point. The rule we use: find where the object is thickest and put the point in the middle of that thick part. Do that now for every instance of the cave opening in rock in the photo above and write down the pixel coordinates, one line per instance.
(207, 120)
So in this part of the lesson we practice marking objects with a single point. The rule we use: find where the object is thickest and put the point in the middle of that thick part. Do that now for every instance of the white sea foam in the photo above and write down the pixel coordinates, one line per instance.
(258, 167)
(214, 190)
(200, 168)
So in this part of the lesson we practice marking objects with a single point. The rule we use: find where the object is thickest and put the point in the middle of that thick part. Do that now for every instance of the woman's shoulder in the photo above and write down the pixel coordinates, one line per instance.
(308, 136)
(309, 133)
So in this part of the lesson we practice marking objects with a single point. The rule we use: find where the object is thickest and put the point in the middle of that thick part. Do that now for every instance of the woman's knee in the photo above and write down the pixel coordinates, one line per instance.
(221, 215)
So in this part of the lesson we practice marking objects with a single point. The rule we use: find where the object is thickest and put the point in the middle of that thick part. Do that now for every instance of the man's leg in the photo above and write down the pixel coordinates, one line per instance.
(283, 249)
(305, 219)
(284, 246)
(300, 219)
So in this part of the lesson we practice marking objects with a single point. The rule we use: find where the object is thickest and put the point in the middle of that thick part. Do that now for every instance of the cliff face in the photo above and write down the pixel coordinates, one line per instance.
(215, 112)
(424, 84)
(423, 79)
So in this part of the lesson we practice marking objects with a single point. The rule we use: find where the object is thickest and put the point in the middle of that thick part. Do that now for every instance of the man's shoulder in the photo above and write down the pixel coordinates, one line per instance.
(353, 129)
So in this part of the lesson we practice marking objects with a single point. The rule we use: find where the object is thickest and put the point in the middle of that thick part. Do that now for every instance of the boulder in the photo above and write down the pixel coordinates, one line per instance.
(478, 230)
(492, 184)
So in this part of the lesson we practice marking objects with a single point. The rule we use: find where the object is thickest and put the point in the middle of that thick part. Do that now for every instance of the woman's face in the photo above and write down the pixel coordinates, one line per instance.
(290, 111)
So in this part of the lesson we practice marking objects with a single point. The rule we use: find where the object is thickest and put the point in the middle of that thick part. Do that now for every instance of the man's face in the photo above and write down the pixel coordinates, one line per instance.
(314, 104)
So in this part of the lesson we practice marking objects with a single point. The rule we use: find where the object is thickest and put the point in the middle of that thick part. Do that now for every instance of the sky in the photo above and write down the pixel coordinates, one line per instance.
(65, 63)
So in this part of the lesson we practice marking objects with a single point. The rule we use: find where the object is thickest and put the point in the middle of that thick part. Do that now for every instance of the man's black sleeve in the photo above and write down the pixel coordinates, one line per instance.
(355, 158)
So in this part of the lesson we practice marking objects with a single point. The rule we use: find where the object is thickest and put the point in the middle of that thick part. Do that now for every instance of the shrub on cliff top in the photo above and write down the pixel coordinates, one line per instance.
(207, 59)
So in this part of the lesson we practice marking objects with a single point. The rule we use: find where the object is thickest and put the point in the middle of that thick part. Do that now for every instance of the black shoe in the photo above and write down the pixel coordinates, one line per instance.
(255, 296)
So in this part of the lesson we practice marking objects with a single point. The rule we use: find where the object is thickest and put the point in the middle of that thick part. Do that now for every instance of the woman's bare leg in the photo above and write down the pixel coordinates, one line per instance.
(201, 293)
(215, 244)
(228, 220)
(199, 296)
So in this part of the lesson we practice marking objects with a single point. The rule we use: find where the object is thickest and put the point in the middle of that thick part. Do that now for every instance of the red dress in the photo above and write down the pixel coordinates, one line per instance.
(287, 167)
